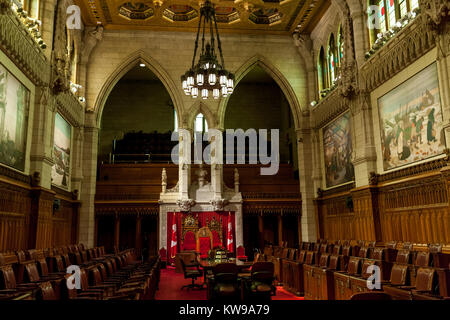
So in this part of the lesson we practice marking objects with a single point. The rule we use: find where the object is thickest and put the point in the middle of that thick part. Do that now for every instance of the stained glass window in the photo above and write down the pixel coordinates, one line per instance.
(32, 7)
(322, 70)
(175, 124)
(332, 57)
(391, 13)
(200, 124)
(413, 4)
(403, 7)
(340, 46)
(382, 16)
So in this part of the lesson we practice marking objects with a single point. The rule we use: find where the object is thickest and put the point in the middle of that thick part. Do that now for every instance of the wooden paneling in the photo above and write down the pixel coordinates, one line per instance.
(410, 206)
(335, 219)
(416, 211)
(319, 283)
(15, 208)
(27, 218)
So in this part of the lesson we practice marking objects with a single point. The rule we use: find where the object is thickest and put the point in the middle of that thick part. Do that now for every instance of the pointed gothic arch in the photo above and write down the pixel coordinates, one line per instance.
(129, 63)
(276, 75)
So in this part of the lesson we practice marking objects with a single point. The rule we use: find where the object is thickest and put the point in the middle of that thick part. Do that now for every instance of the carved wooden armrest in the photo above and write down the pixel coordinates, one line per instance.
(9, 291)
(28, 285)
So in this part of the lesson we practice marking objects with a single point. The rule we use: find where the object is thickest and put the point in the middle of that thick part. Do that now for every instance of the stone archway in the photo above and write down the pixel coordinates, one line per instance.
(276, 75)
(130, 62)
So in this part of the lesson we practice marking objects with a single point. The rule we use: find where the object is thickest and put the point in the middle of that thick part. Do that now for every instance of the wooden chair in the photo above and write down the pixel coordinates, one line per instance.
(224, 284)
(240, 253)
(261, 285)
(191, 271)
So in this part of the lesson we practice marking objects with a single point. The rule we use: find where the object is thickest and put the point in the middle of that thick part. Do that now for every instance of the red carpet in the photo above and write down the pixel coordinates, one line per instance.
(170, 287)
(171, 283)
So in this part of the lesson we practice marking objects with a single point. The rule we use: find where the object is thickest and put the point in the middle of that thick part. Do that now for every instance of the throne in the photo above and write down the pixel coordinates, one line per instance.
(204, 242)
(189, 229)
(216, 230)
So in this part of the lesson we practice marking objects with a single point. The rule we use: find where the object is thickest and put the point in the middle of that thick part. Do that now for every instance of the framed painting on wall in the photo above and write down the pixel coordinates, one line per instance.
(61, 151)
(14, 107)
(411, 120)
(337, 150)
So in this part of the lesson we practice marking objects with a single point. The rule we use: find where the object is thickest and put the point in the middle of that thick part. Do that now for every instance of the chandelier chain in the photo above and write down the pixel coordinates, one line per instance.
(208, 74)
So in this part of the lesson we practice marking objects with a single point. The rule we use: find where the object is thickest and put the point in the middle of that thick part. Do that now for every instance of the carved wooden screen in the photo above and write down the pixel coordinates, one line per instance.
(216, 229)
(189, 225)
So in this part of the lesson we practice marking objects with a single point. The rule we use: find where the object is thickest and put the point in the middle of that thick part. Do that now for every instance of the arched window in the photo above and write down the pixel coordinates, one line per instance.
(175, 123)
(332, 60)
(321, 70)
(200, 125)
(340, 46)
(390, 11)
(32, 7)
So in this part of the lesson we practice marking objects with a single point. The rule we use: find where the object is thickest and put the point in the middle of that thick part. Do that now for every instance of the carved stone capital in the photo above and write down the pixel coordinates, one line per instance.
(185, 205)
(218, 204)
(436, 12)
(4, 6)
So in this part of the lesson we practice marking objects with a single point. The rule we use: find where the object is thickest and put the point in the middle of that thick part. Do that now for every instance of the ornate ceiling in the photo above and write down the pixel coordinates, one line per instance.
(239, 16)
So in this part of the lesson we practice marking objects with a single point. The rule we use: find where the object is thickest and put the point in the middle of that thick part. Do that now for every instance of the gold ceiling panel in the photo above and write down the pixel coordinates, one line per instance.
(240, 16)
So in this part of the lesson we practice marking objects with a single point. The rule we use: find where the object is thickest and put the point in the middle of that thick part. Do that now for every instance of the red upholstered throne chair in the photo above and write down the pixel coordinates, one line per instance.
(240, 253)
(163, 256)
(204, 242)
(216, 230)
(189, 243)
(189, 229)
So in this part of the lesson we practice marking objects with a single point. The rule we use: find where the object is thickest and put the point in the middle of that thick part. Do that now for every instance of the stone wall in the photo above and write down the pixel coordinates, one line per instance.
(135, 106)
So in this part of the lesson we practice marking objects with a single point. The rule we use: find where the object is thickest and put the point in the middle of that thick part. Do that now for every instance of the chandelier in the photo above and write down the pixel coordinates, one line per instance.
(208, 76)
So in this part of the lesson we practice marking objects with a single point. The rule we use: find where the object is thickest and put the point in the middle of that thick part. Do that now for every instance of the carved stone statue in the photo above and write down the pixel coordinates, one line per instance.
(373, 178)
(164, 180)
(36, 179)
(201, 174)
(218, 204)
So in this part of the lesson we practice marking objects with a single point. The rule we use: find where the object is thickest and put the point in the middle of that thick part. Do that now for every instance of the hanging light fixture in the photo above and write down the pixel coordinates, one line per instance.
(208, 74)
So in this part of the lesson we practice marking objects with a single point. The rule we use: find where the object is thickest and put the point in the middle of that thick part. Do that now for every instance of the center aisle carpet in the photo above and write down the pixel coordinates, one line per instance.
(171, 283)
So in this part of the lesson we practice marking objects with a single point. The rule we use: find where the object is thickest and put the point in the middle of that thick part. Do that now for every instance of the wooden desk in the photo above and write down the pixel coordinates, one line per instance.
(208, 265)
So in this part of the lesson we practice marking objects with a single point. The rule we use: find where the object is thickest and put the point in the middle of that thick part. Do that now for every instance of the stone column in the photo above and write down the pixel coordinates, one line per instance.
(441, 30)
(305, 49)
(216, 162)
(239, 225)
(184, 166)
(48, 18)
(306, 166)
(87, 195)
(41, 158)
(92, 36)
(360, 34)
(77, 158)
(364, 152)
